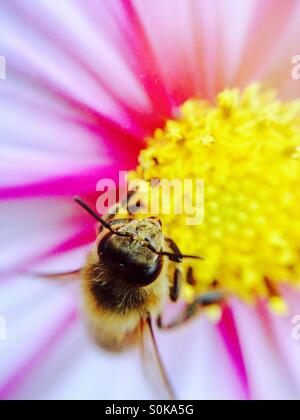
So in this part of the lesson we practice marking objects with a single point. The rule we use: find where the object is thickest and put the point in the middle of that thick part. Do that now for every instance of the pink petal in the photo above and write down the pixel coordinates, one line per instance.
(113, 88)
(282, 330)
(30, 336)
(50, 356)
(269, 377)
(34, 229)
(77, 183)
(198, 363)
(269, 25)
(229, 333)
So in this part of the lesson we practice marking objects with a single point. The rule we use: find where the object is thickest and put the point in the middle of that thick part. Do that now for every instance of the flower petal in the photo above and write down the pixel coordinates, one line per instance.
(49, 355)
(228, 331)
(34, 323)
(33, 230)
(198, 363)
(269, 377)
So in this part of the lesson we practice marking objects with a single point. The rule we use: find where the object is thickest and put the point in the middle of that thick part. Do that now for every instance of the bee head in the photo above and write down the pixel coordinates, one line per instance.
(135, 248)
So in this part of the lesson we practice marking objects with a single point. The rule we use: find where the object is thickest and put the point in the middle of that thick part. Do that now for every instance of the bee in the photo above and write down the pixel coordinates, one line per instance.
(129, 276)
(126, 278)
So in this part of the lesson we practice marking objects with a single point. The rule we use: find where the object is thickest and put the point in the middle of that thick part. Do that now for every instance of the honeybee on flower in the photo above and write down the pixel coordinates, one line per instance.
(168, 90)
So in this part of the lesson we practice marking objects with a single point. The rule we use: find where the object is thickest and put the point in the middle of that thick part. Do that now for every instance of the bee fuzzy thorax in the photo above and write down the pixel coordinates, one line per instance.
(124, 282)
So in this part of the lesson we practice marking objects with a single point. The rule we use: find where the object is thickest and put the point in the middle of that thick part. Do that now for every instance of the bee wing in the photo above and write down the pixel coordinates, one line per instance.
(153, 362)
(62, 277)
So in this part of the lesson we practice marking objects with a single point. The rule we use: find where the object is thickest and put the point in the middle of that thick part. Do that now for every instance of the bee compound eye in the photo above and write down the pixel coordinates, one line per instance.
(142, 276)
(103, 247)
(135, 273)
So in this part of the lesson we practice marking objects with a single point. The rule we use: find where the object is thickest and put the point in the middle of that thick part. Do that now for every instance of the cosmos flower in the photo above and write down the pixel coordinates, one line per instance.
(89, 85)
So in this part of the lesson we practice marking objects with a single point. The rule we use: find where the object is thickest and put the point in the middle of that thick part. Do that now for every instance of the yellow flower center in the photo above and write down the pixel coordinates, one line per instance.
(246, 149)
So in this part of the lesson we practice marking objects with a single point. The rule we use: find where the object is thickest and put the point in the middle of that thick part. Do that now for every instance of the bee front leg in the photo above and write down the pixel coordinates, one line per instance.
(110, 216)
(193, 309)
(126, 203)
(189, 312)
(172, 245)
(176, 286)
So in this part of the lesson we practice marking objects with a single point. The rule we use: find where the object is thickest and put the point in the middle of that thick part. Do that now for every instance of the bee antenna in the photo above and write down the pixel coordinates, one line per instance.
(179, 257)
(173, 257)
(103, 222)
(82, 204)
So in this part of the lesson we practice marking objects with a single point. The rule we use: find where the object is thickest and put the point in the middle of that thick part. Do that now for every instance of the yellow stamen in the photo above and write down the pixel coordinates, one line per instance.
(214, 313)
(278, 305)
(246, 148)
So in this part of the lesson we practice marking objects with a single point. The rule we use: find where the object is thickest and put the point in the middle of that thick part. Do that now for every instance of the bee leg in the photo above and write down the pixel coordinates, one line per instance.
(209, 299)
(174, 247)
(115, 210)
(130, 204)
(175, 288)
(189, 312)
(176, 255)
(192, 310)
(135, 207)
(190, 279)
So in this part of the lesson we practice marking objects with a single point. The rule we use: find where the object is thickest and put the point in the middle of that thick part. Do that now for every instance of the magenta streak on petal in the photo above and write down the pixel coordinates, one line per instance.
(207, 29)
(57, 39)
(199, 76)
(81, 182)
(275, 343)
(146, 64)
(11, 385)
(117, 136)
(268, 25)
(117, 142)
(39, 81)
(229, 333)
(81, 238)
